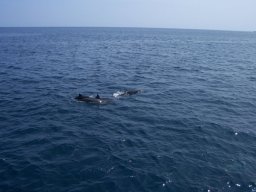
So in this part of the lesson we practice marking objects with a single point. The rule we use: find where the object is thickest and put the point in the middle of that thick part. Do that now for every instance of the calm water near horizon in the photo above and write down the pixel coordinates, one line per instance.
(192, 128)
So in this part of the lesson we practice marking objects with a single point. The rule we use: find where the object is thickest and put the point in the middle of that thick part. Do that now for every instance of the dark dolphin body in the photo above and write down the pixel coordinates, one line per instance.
(130, 92)
(92, 100)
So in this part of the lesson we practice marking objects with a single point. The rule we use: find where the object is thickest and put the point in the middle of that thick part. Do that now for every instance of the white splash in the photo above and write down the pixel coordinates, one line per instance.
(118, 93)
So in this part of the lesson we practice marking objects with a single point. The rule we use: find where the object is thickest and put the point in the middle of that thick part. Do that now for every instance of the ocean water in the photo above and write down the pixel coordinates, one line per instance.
(192, 128)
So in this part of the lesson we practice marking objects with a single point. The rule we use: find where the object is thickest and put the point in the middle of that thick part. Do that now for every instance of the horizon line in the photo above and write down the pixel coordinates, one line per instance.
(202, 29)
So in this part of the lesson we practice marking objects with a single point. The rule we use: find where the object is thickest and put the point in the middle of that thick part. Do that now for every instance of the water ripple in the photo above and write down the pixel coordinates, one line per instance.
(192, 128)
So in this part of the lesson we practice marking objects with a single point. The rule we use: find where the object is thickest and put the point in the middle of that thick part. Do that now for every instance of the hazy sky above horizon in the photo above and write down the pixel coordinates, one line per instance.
(192, 14)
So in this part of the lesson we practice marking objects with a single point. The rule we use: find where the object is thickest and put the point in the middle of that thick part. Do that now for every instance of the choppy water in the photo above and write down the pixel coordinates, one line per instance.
(193, 128)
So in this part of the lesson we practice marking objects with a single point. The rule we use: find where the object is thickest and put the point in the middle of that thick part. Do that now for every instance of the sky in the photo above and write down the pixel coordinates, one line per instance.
(237, 15)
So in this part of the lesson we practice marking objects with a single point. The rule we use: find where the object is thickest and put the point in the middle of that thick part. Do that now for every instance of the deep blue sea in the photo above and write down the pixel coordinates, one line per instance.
(191, 129)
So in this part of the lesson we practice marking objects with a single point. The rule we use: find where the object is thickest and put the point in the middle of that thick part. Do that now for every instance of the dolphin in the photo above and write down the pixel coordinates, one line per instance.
(96, 100)
(126, 92)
